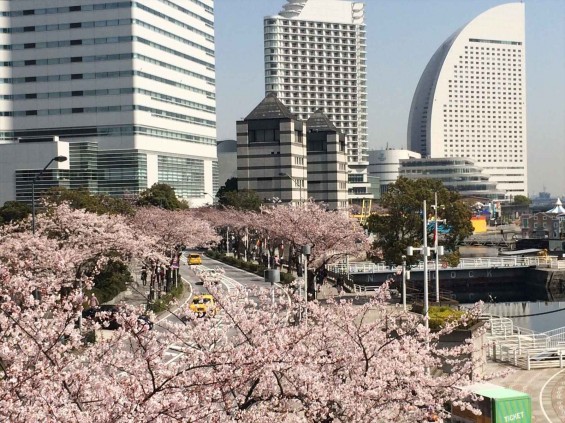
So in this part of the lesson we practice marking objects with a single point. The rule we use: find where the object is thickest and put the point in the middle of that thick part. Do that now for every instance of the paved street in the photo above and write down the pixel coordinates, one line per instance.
(545, 386)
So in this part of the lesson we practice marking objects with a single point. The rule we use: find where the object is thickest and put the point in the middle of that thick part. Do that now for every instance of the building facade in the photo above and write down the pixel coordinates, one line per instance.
(456, 173)
(471, 98)
(20, 163)
(271, 153)
(327, 162)
(315, 58)
(385, 165)
(543, 225)
(136, 78)
(227, 161)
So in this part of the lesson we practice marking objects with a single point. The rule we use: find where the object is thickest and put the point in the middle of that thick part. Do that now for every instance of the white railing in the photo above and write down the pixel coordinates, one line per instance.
(523, 347)
(556, 337)
(465, 263)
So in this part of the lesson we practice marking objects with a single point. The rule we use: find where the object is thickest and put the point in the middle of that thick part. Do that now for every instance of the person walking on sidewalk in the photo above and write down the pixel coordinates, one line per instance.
(144, 275)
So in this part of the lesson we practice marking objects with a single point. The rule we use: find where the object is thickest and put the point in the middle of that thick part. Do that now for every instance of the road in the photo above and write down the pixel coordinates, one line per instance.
(233, 279)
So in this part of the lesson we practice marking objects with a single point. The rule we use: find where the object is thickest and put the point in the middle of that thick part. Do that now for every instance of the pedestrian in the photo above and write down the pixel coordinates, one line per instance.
(339, 290)
(144, 275)
(93, 301)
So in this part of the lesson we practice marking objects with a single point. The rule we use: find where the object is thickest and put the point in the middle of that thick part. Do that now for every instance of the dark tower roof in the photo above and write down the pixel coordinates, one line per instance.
(319, 122)
(270, 108)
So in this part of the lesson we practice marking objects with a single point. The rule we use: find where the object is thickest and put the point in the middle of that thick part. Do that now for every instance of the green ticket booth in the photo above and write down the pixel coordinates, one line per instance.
(499, 405)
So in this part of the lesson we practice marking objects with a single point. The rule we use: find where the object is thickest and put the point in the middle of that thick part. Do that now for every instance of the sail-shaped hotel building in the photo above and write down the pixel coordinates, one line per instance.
(471, 98)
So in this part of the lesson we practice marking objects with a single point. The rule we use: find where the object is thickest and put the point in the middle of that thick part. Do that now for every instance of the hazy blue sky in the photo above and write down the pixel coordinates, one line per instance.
(402, 35)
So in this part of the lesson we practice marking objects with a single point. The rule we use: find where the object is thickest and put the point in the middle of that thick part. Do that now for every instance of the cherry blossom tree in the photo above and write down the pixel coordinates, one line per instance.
(253, 362)
(172, 228)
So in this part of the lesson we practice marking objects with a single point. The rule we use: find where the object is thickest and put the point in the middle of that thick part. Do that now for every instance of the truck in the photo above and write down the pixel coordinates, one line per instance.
(499, 405)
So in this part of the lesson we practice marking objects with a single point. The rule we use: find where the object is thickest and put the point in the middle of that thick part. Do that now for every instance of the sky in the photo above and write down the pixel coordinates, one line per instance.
(402, 36)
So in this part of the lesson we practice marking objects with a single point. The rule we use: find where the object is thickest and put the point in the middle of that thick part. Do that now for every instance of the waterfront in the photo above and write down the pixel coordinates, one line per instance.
(539, 316)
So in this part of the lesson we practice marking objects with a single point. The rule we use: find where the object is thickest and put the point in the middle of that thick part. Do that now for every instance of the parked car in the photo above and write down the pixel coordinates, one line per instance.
(194, 259)
(105, 315)
(204, 305)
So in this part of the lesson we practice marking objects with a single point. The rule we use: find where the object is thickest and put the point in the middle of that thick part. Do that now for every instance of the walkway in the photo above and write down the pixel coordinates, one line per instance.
(545, 386)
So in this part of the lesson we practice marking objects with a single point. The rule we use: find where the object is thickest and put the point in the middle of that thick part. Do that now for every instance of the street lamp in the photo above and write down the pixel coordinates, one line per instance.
(425, 252)
(54, 159)
(404, 282)
(296, 182)
(438, 253)
(306, 252)
(209, 195)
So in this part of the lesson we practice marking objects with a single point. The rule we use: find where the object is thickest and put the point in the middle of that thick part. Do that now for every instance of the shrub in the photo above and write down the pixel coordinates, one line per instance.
(439, 316)
(287, 278)
(162, 303)
(112, 280)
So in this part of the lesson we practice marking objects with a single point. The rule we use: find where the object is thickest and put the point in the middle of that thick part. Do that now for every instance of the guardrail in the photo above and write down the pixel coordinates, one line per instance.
(465, 263)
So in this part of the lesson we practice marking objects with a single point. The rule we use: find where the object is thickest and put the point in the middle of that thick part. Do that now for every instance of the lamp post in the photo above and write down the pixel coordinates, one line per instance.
(425, 252)
(306, 251)
(209, 195)
(296, 182)
(438, 251)
(404, 282)
(54, 159)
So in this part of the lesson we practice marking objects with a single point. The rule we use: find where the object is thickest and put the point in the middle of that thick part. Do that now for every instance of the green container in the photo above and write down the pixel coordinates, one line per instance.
(506, 405)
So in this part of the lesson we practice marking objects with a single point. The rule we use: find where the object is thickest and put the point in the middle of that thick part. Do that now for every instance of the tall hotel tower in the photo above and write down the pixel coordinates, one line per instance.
(471, 99)
(315, 59)
(130, 86)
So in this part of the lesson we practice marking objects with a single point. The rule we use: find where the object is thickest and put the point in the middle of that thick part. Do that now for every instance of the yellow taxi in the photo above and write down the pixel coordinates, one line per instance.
(204, 305)
(194, 259)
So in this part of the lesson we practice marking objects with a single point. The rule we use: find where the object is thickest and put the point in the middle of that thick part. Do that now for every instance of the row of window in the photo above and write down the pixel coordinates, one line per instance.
(114, 91)
(106, 40)
(478, 40)
(185, 175)
(104, 75)
(102, 109)
(310, 24)
(117, 22)
(183, 40)
(105, 57)
(109, 6)
(206, 35)
(114, 131)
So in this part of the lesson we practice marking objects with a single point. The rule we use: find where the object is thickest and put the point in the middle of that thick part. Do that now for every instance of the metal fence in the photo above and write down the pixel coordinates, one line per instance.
(465, 263)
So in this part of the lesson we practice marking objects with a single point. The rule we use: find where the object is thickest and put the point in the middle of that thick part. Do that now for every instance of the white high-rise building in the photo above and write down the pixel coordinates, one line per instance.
(315, 59)
(131, 82)
(471, 99)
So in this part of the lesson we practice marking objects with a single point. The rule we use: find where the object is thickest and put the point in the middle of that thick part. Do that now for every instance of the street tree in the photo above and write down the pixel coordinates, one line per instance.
(242, 200)
(94, 203)
(522, 200)
(229, 186)
(174, 228)
(401, 225)
(161, 195)
(346, 363)
(13, 211)
(331, 234)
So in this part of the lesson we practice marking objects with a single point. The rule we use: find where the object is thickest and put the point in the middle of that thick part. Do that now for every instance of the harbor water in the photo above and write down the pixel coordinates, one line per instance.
(539, 316)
